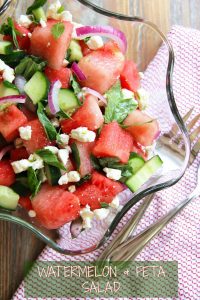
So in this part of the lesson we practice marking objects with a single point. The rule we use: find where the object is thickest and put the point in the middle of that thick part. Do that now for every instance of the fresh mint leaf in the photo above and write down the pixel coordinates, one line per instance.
(9, 29)
(50, 158)
(104, 205)
(36, 4)
(60, 10)
(14, 58)
(114, 95)
(84, 179)
(123, 108)
(57, 30)
(76, 88)
(48, 127)
(29, 66)
(75, 155)
(95, 163)
(33, 182)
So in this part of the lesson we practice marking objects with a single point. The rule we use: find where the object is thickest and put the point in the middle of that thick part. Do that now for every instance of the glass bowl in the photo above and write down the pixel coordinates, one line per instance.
(140, 33)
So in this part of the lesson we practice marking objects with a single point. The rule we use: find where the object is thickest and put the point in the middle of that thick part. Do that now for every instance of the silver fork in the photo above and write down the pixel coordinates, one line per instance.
(128, 229)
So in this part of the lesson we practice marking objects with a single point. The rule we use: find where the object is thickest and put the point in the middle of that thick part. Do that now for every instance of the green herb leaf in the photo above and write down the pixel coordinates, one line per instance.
(60, 10)
(84, 179)
(104, 205)
(123, 108)
(57, 30)
(87, 39)
(33, 182)
(76, 87)
(114, 95)
(13, 59)
(29, 66)
(50, 158)
(36, 4)
(9, 29)
(10, 85)
(95, 163)
(48, 127)
(63, 115)
(75, 155)
(21, 187)
(134, 155)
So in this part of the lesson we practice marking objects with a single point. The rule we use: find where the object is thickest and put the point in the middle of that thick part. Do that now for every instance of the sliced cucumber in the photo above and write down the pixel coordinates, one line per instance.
(8, 198)
(74, 51)
(136, 163)
(53, 174)
(7, 89)
(6, 47)
(14, 58)
(37, 87)
(39, 14)
(67, 100)
(144, 174)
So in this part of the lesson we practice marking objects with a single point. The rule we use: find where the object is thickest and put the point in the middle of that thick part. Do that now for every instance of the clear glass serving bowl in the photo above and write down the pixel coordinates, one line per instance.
(141, 34)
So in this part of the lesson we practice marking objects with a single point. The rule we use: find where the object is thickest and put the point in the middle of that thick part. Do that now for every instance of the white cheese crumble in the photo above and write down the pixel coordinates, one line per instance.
(95, 42)
(72, 188)
(32, 214)
(21, 165)
(53, 149)
(63, 155)
(143, 98)
(65, 62)
(115, 203)
(55, 122)
(24, 21)
(63, 179)
(74, 176)
(36, 162)
(75, 26)
(101, 213)
(52, 10)
(127, 94)
(114, 174)
(64, 139)
(87, 215)
(43, 23)
(7, 72)
(29, 34)
(25, 133)
(82, 134)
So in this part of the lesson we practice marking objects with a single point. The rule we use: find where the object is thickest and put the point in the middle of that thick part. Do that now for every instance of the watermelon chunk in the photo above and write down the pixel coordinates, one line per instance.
(143, 128)
(102, 67)
(7, 175)
(54, 206)
(88, 115)
(62, 74)
(114, 142)
(38, 137)
(17, 154)
(45, 45)
(130, 78)
(89, 194)
(85, 150)
(11, 119)
(25, 202)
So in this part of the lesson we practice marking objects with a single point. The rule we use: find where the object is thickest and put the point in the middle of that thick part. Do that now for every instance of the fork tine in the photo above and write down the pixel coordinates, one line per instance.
(175, 128)
(194, 134)
(196, 148)
(193, 122)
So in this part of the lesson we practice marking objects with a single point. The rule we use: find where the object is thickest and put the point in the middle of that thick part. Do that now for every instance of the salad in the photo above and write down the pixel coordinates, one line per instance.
(74, 133)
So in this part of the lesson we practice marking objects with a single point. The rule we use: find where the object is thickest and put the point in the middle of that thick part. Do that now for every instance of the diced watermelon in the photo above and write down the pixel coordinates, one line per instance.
(11, 119)
(38, 137)
(89, 194)
(45, 45)
(102, 67)
(29, 114)
(70, 166)
(143, 128)
(140, 150)
(63, 75)
(54, 206)
(7, 175)
(113, 142)
(26, 203)
(84, 48)
(22, 38)
(88, 115)
(130, 78)
(17, 154)
(85, 150)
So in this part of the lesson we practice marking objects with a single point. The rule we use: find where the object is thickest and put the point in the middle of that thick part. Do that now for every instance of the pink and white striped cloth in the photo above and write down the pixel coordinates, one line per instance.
(180, 240)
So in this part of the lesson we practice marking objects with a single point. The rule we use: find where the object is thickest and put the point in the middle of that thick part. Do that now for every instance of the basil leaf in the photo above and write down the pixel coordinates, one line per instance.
(60, 10)
(57, 30)
(33, 182)
(75, 155)
(13, 59)
(9, 29)
(123, 108)
(36, 4)
(76, 88)
(50, 158)
(21, 186)
(10, 85)
(48, 127)
(29, 66)
(104, 205)
(95, 163)
(84, 179)
(114, 95)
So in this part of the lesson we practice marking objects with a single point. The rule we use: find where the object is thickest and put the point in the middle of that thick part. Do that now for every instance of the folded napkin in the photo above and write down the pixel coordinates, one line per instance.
(180, 240)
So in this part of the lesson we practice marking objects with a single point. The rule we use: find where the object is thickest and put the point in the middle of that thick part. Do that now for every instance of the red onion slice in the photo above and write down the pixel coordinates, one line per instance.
(13, 99)
(94, 93)
(5, 150)
(20, 82)
(106, 31)
(53, 97)
(77, 71)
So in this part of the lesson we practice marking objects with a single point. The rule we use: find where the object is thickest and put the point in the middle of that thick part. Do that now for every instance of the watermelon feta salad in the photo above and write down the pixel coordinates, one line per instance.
(73, 128)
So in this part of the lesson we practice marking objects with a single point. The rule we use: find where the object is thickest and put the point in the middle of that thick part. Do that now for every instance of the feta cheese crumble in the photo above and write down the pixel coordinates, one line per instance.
(36, 162)
(115, 203)
(74, 176)
(114, 174)
(25, 133)
(63, 155)
(7, 72)
(101, 213)
(43, 23)
(32, 214)
(143, 98)
(24, 21)
(63, 179)
(127, 94)
(87, 215)
(82, 134)
(72, 188)
(53, 149)
(55, 122)
(21, 165)
(52, 12)
(64, 139)
(95, 42)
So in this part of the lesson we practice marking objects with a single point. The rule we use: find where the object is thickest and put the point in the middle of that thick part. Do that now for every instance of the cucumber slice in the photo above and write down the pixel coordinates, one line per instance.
(6, 47)
(39, 14)
(8, 198)
(37, 87)
(53, 174)
(14, 58)
(144, 174)
(136, 163)
(8, 90)
(67, 100)
(74, 51)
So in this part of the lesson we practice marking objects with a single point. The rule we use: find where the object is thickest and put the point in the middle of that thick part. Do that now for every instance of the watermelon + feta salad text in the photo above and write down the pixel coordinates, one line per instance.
(73, 132)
